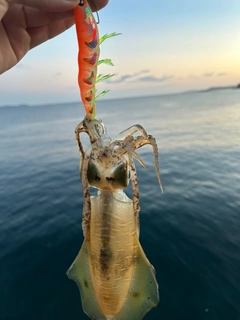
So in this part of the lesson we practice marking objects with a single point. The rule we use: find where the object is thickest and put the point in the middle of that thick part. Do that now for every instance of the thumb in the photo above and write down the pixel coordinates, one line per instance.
(47, 5)
(58, 5)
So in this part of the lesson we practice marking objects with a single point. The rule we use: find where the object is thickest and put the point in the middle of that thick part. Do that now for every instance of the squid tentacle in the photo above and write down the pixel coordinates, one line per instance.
(140, 142)
(79, 129)
(130, 131)
(124, 148)
(86, 214)
(135, 192)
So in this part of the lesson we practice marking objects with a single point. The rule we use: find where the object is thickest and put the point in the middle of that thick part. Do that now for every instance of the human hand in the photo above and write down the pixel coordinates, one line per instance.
(24, 24)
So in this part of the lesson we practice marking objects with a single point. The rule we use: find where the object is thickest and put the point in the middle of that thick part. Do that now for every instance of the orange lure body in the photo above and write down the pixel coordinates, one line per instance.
(88, 42)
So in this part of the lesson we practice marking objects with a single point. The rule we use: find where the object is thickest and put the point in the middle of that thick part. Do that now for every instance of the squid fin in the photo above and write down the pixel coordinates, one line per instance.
(79, 272)
(143, 294)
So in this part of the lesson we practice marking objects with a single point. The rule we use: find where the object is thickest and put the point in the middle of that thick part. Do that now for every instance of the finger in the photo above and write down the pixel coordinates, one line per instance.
(37, 18)
(41, 34)
(3, 8)
(59, 5)
(48, 5)
(97, 5)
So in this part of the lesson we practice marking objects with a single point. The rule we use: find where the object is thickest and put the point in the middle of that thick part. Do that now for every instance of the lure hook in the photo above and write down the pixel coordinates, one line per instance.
(95, 8)
(98, 19)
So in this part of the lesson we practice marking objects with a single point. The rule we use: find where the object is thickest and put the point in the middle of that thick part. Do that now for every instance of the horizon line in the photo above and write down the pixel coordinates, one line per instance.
(122, 98)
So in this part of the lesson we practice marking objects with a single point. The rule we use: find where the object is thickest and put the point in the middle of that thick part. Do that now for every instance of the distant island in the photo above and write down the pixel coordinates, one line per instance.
(221, 88)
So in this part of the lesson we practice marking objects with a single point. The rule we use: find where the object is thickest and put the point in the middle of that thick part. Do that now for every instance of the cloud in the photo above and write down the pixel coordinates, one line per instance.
(139, 73)
(211, 74)
(138, 76)
(193, 76)
(155, 79)
(208, 74)
(129, 77)
(221, 74)
(121, 79)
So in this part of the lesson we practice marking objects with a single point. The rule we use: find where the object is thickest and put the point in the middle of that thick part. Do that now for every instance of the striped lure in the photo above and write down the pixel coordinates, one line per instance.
(88, 41)
(88, 57)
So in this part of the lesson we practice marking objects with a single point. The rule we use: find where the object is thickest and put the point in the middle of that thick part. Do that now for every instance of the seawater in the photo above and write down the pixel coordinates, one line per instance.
(190, 233)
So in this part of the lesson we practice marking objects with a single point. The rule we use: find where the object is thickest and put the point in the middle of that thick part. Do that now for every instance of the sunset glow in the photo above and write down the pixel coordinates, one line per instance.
(164, 47)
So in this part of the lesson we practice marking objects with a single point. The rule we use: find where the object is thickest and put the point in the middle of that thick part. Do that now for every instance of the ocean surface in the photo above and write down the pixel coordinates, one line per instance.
(190, 233)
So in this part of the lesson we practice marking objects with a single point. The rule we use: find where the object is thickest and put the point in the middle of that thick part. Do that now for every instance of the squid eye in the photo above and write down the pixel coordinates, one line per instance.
(121, 175)
(92, 173)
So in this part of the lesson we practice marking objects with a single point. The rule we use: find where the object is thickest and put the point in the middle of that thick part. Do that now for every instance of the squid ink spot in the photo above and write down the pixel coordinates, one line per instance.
(105, 257)
(136, 294)
(97, 178)
(110, 179)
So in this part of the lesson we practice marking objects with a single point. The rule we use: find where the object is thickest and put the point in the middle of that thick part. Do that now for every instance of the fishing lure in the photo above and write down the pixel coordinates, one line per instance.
(115, 278)
(88, 41)
(88, 57)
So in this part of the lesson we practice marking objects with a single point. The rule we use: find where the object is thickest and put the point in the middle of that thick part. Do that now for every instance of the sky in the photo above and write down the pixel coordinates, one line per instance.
(164, 47)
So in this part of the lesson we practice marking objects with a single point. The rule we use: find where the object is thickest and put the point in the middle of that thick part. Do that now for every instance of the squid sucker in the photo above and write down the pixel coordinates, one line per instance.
(115, 278)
